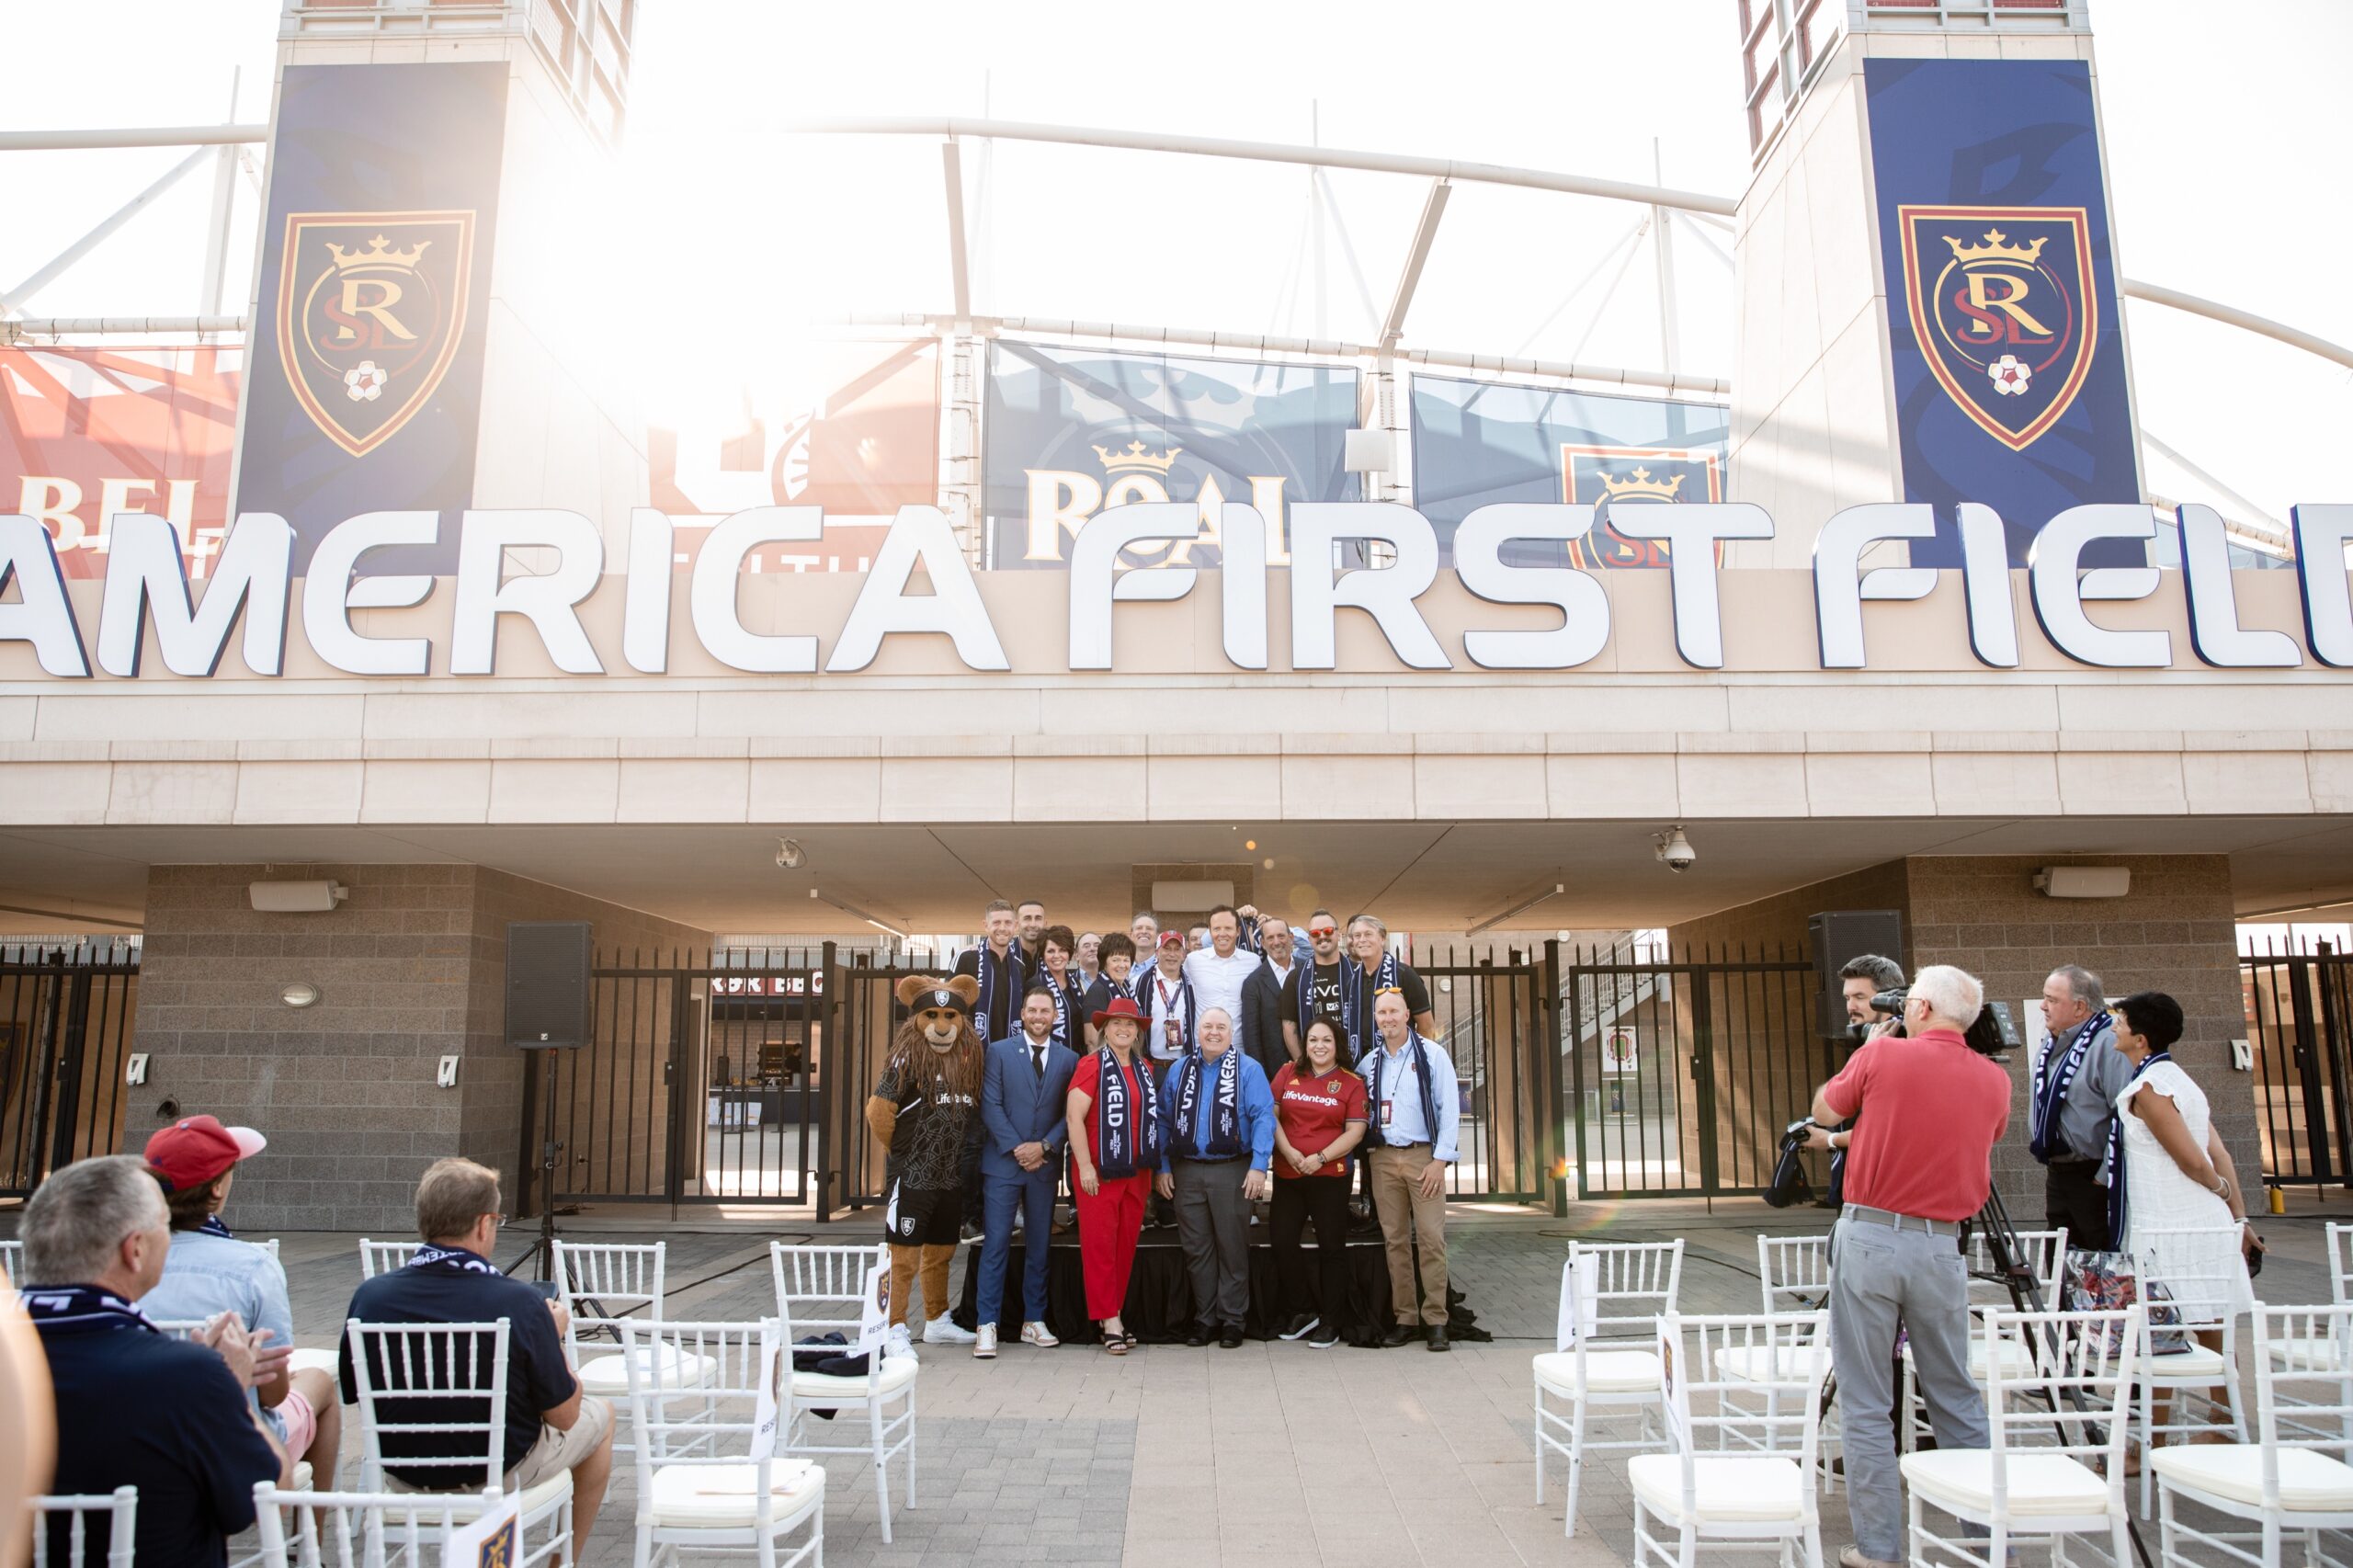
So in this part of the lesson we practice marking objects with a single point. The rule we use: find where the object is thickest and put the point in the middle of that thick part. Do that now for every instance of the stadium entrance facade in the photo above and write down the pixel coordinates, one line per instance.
(480, 648)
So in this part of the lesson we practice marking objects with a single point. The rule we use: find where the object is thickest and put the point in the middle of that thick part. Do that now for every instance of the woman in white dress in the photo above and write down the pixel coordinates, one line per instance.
(2173, 1173)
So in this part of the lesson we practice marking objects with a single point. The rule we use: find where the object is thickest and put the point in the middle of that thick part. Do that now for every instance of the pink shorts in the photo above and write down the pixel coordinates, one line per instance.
(299, 1421)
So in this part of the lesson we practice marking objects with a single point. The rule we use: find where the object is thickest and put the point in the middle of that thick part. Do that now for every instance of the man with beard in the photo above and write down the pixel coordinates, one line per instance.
(1030, 918)
(926, 1110)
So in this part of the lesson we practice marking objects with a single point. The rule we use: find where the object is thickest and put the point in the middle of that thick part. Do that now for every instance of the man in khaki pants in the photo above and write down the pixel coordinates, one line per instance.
(1413, 1111)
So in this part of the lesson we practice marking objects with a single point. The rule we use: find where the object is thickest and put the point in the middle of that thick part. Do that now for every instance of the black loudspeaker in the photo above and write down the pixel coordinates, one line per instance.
(1836, 936)
(547, 985)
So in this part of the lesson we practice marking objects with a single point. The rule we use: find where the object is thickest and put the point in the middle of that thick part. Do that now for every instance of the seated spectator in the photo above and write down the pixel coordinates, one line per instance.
(210, 1271)
(551, 1427)
(135, 1407)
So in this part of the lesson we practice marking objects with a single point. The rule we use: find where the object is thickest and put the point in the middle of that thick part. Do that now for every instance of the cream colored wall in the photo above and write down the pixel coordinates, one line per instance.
(918, 738)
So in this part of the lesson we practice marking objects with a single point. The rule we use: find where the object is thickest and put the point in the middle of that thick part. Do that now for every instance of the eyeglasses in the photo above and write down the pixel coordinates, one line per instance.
(1323, 930)
(1389, 991)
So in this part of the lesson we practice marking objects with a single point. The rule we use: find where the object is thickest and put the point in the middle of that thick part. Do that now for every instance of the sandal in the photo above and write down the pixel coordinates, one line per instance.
(1117, 1344)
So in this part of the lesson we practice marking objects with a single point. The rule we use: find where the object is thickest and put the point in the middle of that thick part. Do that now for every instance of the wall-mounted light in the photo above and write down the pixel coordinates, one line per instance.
(299, 993)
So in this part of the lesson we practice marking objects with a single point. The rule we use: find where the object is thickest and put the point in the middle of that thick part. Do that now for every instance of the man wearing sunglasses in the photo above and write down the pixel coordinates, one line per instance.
(1313, 989)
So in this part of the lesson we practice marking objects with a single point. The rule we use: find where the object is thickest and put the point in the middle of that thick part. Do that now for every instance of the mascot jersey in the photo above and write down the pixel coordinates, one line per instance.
(934, 1125)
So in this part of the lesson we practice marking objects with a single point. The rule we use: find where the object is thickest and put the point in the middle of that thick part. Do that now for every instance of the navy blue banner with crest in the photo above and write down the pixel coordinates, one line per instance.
(1071, 431)
(2003, 314)
(1479, 442)
(364, 379)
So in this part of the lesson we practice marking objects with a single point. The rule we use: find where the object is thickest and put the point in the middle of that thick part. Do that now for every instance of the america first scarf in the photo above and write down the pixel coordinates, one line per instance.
(2054, 1075)
(450, 1260)
(80, 1309)
(1065, 1007)
(1379, 1054)
(2114, 1164)
(1225, 1119)
(1119, 1150)
(1356, 1013)
(999, 977)
(1357, 1033)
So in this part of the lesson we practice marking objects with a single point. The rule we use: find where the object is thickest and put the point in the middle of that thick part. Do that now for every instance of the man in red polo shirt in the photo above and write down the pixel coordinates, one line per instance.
(1917, 1165)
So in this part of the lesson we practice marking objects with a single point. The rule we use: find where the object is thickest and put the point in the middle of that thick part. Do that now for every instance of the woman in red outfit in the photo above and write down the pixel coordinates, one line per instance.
(1115, 1145)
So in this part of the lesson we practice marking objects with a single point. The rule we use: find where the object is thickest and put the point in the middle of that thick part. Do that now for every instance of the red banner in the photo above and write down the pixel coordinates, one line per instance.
(87, 433)
(863, 447)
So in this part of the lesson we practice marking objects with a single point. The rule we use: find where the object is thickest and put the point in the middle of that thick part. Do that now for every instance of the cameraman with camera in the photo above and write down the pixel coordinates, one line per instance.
(1917, 1168)
(1860, 978)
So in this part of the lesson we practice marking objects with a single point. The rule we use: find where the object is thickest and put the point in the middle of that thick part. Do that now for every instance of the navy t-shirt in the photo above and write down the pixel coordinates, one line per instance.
(537, 1378)
(135, 1408)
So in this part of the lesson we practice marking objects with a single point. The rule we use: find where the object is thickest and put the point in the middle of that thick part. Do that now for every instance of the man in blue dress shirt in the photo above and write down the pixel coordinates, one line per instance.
(1413, 1117)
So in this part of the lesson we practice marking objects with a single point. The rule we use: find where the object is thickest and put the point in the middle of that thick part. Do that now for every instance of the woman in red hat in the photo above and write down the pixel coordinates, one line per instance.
(1115, 1145)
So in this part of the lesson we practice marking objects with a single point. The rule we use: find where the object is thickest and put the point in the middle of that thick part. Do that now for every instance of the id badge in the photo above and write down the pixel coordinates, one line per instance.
(1386, 1107)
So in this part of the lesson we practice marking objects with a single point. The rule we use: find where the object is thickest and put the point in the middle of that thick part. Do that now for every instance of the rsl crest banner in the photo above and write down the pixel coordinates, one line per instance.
(1479, 442)
(365, 382)
(1073, 431)
(2007, 348)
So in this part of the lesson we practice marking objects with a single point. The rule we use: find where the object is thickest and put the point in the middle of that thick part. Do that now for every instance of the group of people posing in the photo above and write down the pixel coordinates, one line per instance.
(1221, 1073)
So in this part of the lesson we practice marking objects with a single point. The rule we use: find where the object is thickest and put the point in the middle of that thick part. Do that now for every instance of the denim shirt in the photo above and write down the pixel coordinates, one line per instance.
(204, 1276)
(207, 1275)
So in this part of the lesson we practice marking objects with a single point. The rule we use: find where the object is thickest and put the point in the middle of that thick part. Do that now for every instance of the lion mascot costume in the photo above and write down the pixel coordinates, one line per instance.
(926, 1110)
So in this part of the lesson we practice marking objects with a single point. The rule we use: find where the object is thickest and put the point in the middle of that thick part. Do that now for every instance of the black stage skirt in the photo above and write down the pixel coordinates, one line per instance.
(1160, 1293)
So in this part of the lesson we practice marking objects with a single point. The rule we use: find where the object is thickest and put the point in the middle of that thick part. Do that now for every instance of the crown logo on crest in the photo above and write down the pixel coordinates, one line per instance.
(1996, 249)
(1640, 487)
(378, 253)
(1134, 458)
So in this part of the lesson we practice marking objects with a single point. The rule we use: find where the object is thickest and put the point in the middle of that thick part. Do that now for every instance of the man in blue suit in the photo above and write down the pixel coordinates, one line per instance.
(1023, 1137)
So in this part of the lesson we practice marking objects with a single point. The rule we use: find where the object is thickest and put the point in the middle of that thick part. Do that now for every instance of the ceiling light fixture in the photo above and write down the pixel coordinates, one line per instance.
(1522, 907)
(848, 908)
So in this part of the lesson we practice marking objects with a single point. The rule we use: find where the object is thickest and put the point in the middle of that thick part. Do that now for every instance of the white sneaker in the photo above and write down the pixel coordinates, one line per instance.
(1039, 1334)
(984, 1343)
(942, 1330)
(898, 1343)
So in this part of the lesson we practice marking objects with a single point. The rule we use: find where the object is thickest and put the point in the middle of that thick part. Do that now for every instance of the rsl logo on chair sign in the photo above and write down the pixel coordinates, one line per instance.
(2002, 305)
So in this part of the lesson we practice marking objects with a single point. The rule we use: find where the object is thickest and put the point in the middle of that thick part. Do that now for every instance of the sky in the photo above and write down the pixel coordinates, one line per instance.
(2227, 148)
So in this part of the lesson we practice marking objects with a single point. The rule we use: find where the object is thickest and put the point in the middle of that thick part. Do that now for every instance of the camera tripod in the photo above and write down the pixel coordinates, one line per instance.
(2009, 1267)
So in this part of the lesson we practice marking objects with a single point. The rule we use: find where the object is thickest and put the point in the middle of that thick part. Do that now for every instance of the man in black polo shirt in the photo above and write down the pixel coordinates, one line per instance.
(550, 1427)
(134, 1407)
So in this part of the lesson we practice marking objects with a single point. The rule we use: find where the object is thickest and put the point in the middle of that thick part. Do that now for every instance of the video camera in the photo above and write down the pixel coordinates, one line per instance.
(1994, 1032)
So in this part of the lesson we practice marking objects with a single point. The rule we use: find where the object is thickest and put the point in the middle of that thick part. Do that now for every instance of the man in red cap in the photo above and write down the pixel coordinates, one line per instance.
(208, 1271)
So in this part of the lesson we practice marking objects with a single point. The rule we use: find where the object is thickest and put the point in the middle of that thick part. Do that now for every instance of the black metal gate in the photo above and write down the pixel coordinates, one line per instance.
(1683, 1072)
(1497, 1020)
(713, 1080)
(65, 1030)
(2298, 1007)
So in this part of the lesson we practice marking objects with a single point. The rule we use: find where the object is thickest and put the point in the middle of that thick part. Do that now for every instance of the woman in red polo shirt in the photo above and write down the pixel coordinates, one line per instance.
(1319, 1116)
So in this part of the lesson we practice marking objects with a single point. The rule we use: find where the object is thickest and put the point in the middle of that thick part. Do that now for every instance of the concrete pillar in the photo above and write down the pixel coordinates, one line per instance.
(411, 968)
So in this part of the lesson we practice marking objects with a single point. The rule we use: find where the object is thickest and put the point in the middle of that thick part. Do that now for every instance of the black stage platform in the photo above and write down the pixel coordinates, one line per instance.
(1160, 1293)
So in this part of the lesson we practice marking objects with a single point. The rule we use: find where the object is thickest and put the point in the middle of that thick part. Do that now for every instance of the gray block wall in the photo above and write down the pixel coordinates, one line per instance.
(410, 968)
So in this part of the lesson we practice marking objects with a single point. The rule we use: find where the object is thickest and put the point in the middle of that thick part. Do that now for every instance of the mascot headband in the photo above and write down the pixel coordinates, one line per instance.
(942, 998)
